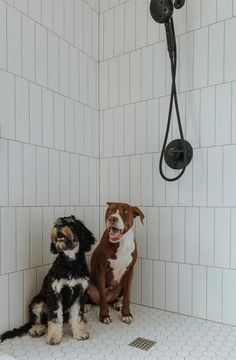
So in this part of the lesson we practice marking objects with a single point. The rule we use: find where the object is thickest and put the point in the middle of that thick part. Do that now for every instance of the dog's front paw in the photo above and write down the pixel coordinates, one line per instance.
(37, 330)
(53, 340)
(127, 319)
(105, 319)
(54, 333)
(81, 335)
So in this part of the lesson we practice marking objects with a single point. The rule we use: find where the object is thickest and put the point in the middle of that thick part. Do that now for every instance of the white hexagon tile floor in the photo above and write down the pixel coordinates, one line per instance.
(178, 337)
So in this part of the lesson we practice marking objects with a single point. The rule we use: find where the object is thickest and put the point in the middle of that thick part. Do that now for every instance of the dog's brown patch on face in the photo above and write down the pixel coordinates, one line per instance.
(66, 231)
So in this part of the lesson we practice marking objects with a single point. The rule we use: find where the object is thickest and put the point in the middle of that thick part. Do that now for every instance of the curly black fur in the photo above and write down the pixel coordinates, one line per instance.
(66, 268)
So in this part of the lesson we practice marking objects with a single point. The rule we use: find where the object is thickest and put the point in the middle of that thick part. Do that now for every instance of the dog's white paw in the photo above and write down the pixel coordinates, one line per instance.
(127, 319)
(37, 330)
(105, 319)
(87, 307)
(54, 333)
(81, 335)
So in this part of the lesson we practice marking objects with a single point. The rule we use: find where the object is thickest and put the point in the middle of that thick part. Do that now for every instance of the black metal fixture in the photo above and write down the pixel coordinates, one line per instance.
(177, 154)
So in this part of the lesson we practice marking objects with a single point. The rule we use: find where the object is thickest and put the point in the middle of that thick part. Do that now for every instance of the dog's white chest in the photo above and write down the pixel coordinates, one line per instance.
(123, 256)
(58, 285)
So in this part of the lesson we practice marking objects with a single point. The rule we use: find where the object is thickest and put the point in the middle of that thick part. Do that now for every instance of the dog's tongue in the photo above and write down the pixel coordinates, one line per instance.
(115, 233)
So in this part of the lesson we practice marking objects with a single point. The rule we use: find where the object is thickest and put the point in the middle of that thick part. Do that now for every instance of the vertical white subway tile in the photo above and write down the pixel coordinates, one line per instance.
(41, 55)
(4, 172)
(58, 19)
(185, 289)
(65, 179)
(113, 82)
(140, 128)
(199, 291)
(28, 48)
(222, 237)
(223, 111)
(36, 236)
(159, 69)
(48, 220)
(201, 57)
(83, 78)
(4, 303)
(130, 25)
(16, 299)
(172, 188)
(159, 289)
(147, 279)
(229, 176)
(96, 27)
(14, 40)
(35, 10)
(141, 235)
(186, 61)
(229, 294)
(118, 131)
(113, 177)
(181, 21)
(208, 12)
(87, 29)
(186, 187)
(104, 89)
(165, 234)
(124, 179)
(29, 290)
(172, 287)
(152, 232)
(59, 121)
(69, 125)
(216, 53)
(129, 127)
(79, 128)
(35, 114)
(215, 176)
(95, 131)
(92, 83)
(192, 235)
(47, 100)
(22, 109)
(146, 180)
(135, 179)
(207, 236)
(53, 61)
(15, 172)
(101, 38)
(74, 74)
(233, 112)
(103, 181)
(79, 24)
(108, 132)
(93, 181)
(108, 34)
(214, 294)
(233, 238)
(8, 240)
(42, 176)
(159, 189)
(7, 107)
(3, 34)
(193, 117)
(135, 76)
(208, 114)
(119, 28)
(230, 53)
(69, 20)
(41, 273)
(29, 175)
(64, 68)
(124, 79)
(147, 73)
(193, 14)
(54, 176)
(141, 24)
(224, 9)
(47, 13)
(84, 181)
(200, 177)
(178, 234)
(153, 125)
(136, 290)
(22, 238)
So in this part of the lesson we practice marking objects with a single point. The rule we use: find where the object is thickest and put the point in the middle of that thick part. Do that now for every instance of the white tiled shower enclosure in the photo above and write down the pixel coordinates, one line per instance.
(84, 91)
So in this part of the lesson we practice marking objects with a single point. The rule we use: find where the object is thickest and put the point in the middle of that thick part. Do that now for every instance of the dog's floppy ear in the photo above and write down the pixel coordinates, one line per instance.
(53, 249)
(85, 236)
(138, 212)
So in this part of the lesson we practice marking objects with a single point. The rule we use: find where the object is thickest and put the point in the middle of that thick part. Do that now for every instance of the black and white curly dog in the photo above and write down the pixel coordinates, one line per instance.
(63, 293)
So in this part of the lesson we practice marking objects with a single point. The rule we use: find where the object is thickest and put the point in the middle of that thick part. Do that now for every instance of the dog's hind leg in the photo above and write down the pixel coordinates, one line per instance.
(77, 323)
(37, 317)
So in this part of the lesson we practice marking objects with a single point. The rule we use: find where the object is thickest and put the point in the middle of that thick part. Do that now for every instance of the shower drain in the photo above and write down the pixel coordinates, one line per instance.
(143, 344)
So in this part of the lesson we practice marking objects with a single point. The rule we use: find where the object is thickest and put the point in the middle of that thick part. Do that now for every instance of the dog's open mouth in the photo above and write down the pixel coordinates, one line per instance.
(114, 233)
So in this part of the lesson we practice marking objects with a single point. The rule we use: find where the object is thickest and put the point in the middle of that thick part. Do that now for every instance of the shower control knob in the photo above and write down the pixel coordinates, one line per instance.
(175, 154)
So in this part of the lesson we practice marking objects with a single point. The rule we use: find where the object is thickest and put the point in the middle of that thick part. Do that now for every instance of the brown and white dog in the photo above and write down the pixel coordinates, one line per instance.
(113, 260)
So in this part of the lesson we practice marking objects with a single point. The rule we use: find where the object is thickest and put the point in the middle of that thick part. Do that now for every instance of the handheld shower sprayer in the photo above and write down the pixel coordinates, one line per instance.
(178, 153)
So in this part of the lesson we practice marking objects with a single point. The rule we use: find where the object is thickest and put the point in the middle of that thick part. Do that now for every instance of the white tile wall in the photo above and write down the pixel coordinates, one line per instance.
(187, 246)
(47, 168)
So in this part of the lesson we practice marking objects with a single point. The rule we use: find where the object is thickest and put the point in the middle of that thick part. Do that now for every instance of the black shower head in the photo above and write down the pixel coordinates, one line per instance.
(162, 10)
